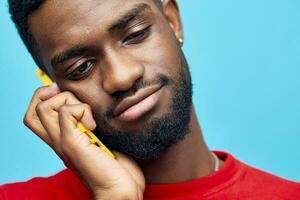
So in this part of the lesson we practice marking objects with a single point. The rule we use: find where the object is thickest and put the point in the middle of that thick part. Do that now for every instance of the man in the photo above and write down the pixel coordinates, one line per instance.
(119, 69)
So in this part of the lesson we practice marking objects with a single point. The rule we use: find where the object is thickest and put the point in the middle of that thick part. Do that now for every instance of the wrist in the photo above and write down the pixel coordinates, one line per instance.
(118, 195)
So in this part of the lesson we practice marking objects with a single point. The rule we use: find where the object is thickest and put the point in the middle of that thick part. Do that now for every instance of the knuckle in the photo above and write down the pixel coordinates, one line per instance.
(63, 109)
(68, 94)
(38, 91)
(29, 121)
(40, 107)
(26, 120)
(86, 106)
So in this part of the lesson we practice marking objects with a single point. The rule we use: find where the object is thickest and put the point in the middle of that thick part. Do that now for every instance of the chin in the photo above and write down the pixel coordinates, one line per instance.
(140, 124)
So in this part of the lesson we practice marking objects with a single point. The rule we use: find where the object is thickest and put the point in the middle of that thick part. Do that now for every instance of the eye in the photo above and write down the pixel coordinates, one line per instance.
(138, 36)
(81, 71)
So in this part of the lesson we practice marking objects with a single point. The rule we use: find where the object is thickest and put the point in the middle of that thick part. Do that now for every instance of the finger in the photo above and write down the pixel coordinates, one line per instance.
(76, 146)
(49, 91)
(31, 120)
(48, 114)
(73, 141)
(70, 115)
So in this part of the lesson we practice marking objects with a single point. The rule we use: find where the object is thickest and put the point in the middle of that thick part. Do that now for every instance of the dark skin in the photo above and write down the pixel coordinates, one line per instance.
(105, 60)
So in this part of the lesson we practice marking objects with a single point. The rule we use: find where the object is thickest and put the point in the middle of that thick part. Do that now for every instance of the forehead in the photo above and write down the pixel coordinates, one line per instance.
(58, 20)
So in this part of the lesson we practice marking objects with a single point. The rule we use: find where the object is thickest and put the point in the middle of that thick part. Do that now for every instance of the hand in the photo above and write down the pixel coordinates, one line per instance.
(52, 115)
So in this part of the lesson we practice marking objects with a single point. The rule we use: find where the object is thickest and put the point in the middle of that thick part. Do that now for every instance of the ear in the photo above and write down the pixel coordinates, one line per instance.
(171, 11)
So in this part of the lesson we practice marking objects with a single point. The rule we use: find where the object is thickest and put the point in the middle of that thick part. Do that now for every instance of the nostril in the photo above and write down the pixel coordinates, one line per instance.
(122, 78)
(137, 84)
(119, 95)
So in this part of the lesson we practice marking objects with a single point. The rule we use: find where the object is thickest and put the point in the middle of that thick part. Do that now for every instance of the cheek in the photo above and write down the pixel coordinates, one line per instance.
(92, 94)
(164, 60)
(162, 54)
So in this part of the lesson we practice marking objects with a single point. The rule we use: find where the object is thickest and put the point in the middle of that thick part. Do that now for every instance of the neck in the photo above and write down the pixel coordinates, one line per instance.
(190, 158)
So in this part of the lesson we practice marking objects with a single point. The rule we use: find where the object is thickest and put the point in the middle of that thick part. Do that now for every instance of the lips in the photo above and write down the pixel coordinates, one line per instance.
(134, 106)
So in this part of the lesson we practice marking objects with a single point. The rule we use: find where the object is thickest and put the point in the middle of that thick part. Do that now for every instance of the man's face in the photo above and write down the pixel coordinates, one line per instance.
(123, 59)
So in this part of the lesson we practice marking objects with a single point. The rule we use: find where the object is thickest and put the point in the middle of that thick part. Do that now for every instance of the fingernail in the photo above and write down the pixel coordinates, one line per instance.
(53, 84)
(54, 87)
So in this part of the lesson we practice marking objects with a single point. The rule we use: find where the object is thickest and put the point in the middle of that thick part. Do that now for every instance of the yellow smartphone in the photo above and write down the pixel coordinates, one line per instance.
(46, 80)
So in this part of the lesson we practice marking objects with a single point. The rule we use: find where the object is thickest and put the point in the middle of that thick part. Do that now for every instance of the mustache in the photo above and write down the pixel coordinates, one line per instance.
(118, 96)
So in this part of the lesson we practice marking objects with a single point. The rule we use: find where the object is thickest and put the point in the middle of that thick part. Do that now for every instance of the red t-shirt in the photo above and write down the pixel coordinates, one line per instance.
(234, 180)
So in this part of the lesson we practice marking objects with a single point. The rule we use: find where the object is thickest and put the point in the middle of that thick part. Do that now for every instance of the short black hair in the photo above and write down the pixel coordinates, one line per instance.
(20, 10)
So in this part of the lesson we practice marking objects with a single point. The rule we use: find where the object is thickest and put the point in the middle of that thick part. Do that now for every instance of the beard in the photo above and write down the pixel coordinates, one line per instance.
(159, 133)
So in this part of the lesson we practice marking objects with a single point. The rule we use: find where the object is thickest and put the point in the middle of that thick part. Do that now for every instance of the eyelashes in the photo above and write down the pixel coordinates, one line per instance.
(84, 69)
(81, 71)
(137, 36)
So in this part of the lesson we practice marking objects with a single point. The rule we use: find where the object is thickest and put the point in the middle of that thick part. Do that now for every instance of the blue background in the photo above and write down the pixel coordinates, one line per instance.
(245, 63)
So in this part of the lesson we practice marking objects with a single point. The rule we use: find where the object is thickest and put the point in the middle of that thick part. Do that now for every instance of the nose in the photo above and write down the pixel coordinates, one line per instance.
(121, 72)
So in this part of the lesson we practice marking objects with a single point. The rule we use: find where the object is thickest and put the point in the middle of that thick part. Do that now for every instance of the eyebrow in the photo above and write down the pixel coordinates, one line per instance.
(120, 24)
(128, 17)
(68, 54)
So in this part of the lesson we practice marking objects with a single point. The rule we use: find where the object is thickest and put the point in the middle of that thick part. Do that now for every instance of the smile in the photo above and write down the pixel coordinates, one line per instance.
(131, 108)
